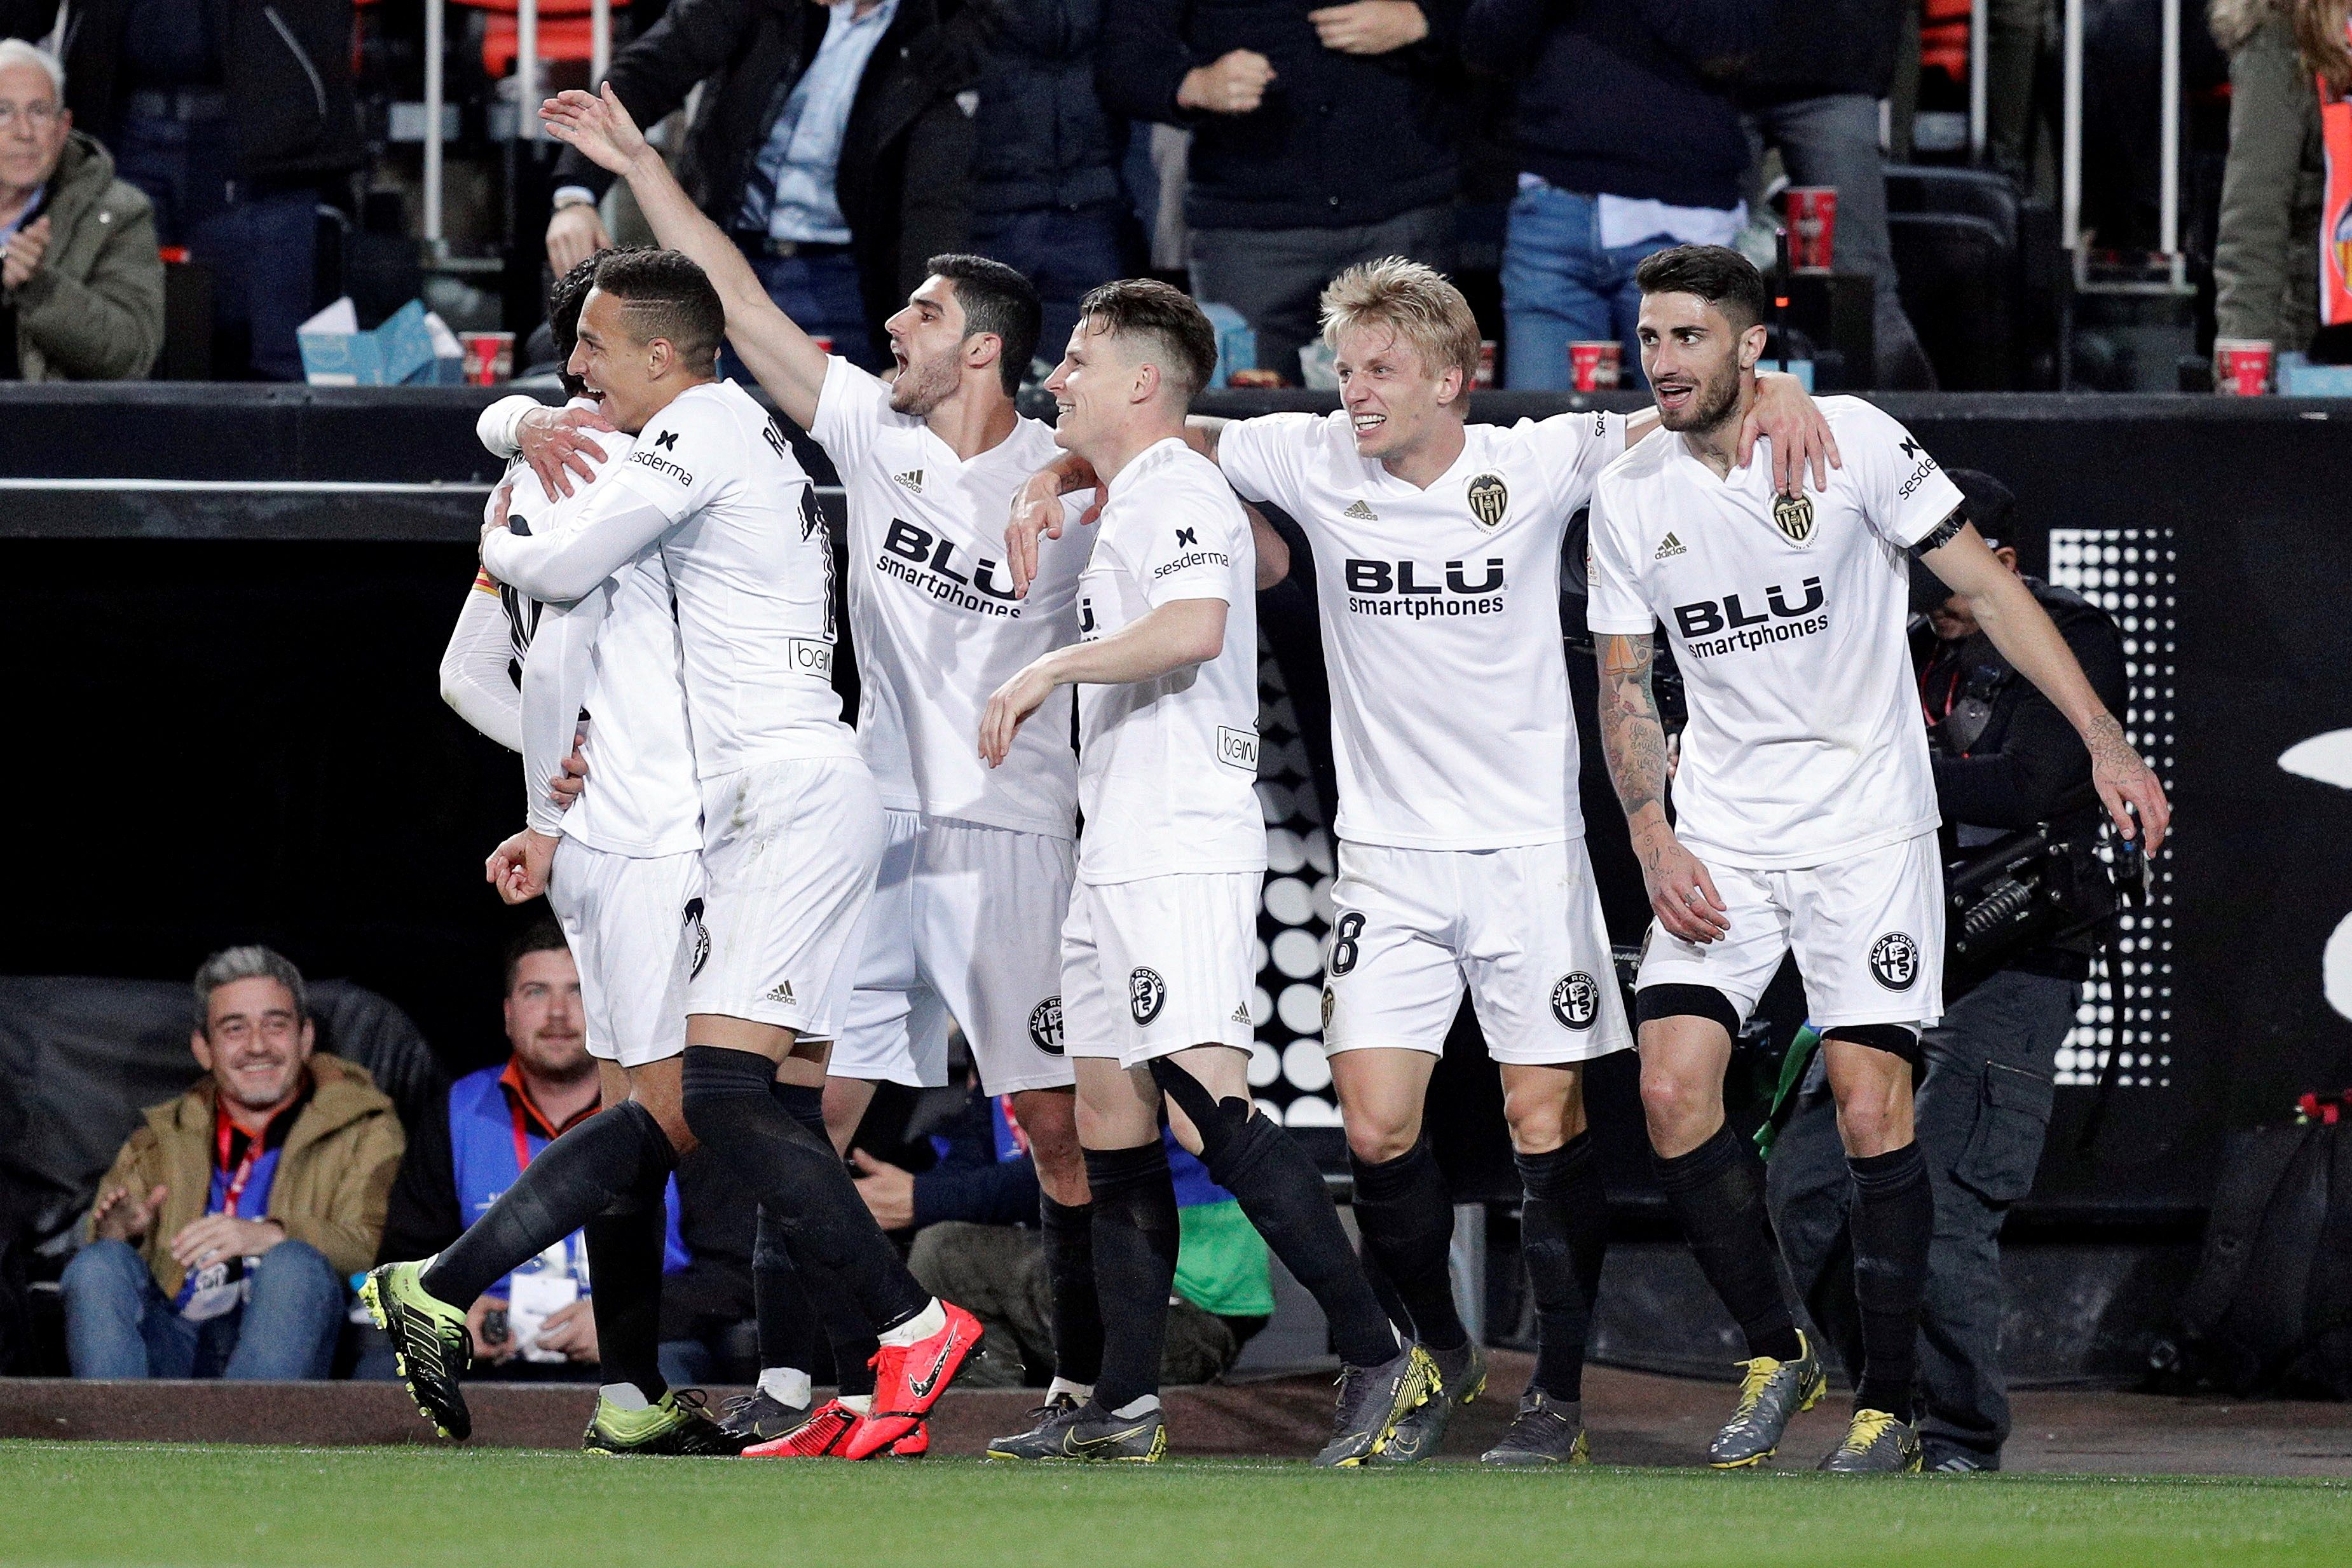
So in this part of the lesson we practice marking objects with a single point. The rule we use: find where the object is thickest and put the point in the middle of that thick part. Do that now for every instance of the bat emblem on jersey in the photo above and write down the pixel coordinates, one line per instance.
(1186, 537)
(667, 441)
(1895, 961)
(1576, 1000)
(1490, 499)
(1045, 1025)
(1793, 516)
(1146, 991)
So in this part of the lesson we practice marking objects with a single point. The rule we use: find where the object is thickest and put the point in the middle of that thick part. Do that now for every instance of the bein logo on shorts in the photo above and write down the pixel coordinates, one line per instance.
(1576, 1000)
(1895, 961)
(1045, 1025)
(1146, 992)
(701, 938)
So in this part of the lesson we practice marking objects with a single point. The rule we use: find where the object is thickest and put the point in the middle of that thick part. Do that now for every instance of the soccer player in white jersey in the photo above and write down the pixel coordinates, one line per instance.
(977, 864)
(792, 831)
(1805, 813)
(1462, 860)
(627, 864)
(1157, 963)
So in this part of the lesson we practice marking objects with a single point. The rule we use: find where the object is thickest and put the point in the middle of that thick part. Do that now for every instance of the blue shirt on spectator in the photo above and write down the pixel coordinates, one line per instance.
(792, 195)
(32, 209)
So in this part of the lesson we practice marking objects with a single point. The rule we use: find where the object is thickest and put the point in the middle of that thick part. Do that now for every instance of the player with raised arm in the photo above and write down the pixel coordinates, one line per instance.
(1462, 863)
(791, 831)
(1804, 813)
(1158, 963)
(977, 862)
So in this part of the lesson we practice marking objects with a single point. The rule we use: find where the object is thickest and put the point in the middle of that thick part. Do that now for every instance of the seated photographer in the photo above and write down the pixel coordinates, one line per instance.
(2004, 759)
(224, 1233)
(535, 1323)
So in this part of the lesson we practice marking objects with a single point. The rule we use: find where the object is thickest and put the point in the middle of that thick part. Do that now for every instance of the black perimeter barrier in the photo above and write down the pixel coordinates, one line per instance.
(222, 608)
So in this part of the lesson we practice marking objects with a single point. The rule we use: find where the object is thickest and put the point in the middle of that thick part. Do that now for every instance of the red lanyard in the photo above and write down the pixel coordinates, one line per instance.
(244, 1169)
(522, 1138)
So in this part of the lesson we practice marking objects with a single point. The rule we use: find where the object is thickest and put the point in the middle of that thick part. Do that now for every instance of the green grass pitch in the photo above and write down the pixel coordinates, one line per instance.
(422, 1508)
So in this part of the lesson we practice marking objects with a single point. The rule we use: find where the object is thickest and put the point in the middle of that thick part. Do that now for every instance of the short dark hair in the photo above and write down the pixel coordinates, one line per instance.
(995, 298)
(1145, 307)
(541, 936)
(669, 297)
(1716, 274)
(563, 303)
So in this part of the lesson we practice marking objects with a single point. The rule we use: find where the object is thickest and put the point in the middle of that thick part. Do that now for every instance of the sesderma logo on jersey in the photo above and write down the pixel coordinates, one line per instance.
(1727, 625)
(648, 458)
(1191, 558)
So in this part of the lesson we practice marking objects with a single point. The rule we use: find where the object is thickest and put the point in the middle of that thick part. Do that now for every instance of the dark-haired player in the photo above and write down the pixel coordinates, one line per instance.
(977, 862)
(1805, 813)
(1157, 965)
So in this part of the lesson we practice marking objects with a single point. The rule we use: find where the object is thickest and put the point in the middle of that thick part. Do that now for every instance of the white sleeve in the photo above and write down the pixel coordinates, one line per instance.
(1905, 492)
(1571, 449)
(499, 423)
(1188, 550)
(684, 458)
(850, 408)
(475, 675)
(554, 683)
(559, 565)
(1260, 456)
(1617, 606)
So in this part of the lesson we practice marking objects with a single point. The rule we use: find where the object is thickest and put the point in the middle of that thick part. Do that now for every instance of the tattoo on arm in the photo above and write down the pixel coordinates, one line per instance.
(1631, 736)
(2106, 742)
(1943, 533)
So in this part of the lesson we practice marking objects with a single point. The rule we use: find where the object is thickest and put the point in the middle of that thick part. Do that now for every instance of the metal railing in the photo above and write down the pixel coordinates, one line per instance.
(526, 89)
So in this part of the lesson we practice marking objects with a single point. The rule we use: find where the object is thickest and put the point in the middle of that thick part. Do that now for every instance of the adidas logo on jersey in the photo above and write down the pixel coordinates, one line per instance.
(912, 479)
(1668, 546)
(781, 993)
(1240, 1013)
(1362, 512)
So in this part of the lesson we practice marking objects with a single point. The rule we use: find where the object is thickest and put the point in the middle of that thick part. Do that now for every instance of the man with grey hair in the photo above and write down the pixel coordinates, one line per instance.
(222, 1237)
(81, 286)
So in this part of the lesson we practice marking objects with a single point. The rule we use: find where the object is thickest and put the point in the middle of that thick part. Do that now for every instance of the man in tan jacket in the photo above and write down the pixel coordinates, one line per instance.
(223, 1234)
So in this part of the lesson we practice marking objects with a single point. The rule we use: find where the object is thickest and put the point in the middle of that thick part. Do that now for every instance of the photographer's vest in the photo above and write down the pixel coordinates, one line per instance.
(494, 1132)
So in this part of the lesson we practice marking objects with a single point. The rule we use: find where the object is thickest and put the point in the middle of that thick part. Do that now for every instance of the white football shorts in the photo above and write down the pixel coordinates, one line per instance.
(1160, 965)
(629, 919)
(1521, 928)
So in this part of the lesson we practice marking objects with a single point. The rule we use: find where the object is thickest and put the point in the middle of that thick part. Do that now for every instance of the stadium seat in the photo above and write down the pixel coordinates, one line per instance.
(565, 32)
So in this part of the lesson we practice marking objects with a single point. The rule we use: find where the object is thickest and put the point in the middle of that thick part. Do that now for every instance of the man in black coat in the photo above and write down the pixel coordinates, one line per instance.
(834, 141)
(1322, 136)
(229, 114)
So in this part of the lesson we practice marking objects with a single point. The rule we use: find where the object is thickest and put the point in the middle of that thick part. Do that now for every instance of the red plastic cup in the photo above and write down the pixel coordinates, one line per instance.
(1812, 227)
(489, 358)
(1593, 366)
(1486, 376)
(2242, 367)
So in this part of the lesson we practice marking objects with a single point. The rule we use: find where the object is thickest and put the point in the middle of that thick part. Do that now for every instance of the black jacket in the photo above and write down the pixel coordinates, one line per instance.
(287, 68)
(906, 161)
(1623, 97)
(1340, 140)
(1817, 48)
(1043, 141)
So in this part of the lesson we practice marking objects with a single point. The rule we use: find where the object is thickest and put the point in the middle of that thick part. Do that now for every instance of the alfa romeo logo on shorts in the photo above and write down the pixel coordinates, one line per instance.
(1576, 1000)
(701, 938)
(1895, 961)
(1144, 991)
(1045, 1025)
(1328, 1002)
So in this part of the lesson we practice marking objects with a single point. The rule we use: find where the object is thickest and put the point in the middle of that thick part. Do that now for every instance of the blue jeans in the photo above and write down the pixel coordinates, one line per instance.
(1064, 253)
(825, 299)
(119, 1323)
(261, 245)
(1560, 286)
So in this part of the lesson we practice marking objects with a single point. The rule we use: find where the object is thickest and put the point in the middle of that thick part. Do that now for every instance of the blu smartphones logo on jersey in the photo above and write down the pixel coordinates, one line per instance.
(1414, 588)
(1238, 749)
(925, 562)
(1726, 625)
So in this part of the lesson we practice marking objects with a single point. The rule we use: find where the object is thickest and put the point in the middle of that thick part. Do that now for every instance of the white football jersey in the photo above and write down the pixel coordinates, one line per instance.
(751, 565)
(932, 616)
(1168, 767)
(1451, 719)
(1787, 617)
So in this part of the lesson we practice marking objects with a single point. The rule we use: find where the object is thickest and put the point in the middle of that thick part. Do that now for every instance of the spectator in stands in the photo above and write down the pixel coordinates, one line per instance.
(973, 1217)
(1321, 137)
(81, 287)
(2266, 260)
(224, 1233)
(228, 114)
(495, 1120)
(828, 141)
(1045, 194)
(1627, 143)
(1812, 92)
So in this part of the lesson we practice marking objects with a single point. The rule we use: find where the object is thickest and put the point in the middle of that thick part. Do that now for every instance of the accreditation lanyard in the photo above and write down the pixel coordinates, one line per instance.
(226, 1130)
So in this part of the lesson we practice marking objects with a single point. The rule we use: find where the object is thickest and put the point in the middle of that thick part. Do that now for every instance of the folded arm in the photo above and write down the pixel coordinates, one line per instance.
(558, 567)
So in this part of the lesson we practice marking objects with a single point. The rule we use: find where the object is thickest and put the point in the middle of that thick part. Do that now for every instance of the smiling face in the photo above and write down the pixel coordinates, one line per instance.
(927, 341)
(1695, 359)
(1093, 386)
(614, 365)
(1395, 400)
(543, 1015)
(255, 1043)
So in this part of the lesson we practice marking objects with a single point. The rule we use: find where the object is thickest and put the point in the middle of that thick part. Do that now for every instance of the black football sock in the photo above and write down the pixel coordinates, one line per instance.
(813, 1294)
(788, 1320)
(1133, 1217)
(1407, 1220)
(1563, 1235)
(796, 1174)
(1068, 1234)
(1717, 1192)
(1283, 1194)
(1893, 1220)
(574, 1179)
(624, 1267)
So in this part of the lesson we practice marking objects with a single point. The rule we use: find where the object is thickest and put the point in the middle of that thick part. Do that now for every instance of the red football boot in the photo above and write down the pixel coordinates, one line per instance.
(910, 1378)
(914, 1444)
(824, 1436)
